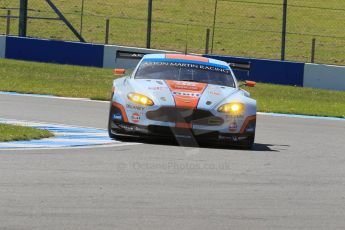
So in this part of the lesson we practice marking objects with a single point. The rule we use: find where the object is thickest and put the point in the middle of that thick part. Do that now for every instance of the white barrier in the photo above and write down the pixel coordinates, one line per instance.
(2, 46)
(324, 76)
(125, 57)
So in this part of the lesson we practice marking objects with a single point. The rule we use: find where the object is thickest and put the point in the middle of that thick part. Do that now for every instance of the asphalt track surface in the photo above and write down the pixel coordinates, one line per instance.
(293, 179)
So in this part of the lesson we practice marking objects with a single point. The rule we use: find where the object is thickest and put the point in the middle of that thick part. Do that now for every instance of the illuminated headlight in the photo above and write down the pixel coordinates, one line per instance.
(140, 99)
(231, 108)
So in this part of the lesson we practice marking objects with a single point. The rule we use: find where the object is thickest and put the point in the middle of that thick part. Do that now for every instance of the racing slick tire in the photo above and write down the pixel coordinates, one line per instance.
(247, 144)
(112, 134)
(115, 136)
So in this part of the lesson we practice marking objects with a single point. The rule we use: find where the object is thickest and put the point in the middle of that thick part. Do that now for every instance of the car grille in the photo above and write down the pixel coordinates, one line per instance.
(196, 117)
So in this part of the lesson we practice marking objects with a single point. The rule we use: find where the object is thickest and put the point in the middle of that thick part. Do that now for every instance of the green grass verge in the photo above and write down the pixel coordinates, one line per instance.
(59, 80)
(20, 133)
(95, 83)
(250, 28)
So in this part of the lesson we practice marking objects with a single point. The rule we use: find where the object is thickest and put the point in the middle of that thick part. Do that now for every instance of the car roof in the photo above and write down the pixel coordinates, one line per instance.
(184, 58)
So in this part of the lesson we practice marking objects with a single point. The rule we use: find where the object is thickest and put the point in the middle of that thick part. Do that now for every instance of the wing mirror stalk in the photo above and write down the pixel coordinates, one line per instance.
(248, 84)
(119, 72)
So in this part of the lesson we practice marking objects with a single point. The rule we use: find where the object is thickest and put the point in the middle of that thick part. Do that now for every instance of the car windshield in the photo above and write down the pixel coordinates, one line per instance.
(185, 72)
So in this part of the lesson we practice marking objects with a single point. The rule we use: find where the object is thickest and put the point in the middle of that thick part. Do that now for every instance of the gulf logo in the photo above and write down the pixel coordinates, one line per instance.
(135, 117)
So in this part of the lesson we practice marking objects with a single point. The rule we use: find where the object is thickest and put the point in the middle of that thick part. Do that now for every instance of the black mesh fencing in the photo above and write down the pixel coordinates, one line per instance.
(9, 12)
(248, 28)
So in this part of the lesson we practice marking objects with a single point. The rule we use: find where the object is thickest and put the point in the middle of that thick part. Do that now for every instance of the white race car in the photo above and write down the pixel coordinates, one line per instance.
(182, 96)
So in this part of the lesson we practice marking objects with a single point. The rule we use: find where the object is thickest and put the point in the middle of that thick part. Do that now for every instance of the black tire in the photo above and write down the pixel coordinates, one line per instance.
(247, 144)
(113, 134)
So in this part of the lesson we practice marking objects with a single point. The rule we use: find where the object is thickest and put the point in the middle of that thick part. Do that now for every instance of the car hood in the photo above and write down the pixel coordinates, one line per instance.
(182, 94)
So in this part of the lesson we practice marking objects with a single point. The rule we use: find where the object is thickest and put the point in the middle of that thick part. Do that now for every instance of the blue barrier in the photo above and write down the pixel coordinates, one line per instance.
(86, 54)
(61, 52)
(268, 71)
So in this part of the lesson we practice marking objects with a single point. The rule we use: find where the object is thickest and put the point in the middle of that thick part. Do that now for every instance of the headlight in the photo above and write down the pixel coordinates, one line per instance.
(232, 108)
(140, 99)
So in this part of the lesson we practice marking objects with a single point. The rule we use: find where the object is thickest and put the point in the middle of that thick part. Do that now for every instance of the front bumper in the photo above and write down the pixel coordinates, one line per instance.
(195, 125)
(166, 132)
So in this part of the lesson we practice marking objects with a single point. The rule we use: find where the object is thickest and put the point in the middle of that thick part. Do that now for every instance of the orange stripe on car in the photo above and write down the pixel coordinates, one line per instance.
(246, 122)
(186, 57)
(183, 125)
(122, 109)
(186, 94)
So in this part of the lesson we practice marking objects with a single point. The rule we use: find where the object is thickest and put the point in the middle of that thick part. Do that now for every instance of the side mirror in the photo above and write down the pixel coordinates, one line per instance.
(119, 71)
(250, 83)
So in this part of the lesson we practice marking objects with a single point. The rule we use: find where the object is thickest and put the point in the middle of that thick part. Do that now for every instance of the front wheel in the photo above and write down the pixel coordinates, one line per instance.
(112, 133)
(115, 136)
(248, 143)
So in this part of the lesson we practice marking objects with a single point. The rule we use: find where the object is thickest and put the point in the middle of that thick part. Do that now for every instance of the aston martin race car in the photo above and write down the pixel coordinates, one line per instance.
(182, 97)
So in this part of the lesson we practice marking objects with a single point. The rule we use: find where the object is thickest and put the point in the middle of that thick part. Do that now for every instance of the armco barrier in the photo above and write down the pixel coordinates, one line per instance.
(2, 46)
(324, 77)
(61, 52)
(268, 71)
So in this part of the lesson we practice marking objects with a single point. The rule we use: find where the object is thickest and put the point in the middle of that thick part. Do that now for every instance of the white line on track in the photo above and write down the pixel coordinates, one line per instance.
(51, 97)
(66, 137)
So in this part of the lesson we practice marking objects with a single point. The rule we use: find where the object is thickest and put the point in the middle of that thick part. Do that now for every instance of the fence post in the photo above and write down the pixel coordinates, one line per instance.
(313, 47)
(283, 45)
(214, 23)
(23, 17)
(207, 40)
(81, 17)
(149, 24)
(107, 29)
(8, 22)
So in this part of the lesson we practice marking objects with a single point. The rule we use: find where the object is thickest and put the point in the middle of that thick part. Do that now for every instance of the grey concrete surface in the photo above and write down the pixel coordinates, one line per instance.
(293, 179)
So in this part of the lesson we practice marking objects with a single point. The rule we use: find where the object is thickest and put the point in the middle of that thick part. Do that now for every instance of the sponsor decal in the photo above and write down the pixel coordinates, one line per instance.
(187, 65)
(233, 127)
(188, 94)
(130, 128)
(214, 93)
(129, 55)
(117, 116)
(163, 99)
(135, 117)
(186, 86)
(135, 107)
(159, 82)
(232, 138)
(232, 117)
(183, 100)
(208, 102)
(183, 136)
(156, 88)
